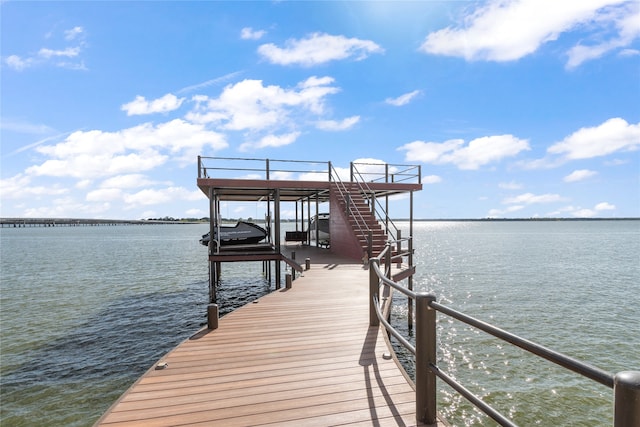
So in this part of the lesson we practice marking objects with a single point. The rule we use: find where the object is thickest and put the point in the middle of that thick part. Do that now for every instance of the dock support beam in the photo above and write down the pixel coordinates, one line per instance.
(276, 205)
(212, 316)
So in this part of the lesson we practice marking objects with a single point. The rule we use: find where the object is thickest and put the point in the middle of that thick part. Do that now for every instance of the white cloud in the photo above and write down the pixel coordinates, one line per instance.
(579, 175)
(18, 63)
(629, 52)
(48, 55)
(271, 141)
(67, 207)
(604, 206)
(431, 179)
(72, 65)
(625, 19)
(94, 154)
(20, 186)
(140, 105)
(579, 212)
(104, 194)
(333, 125)
(583, 213)
(69, 52)
(403, 99)
(22, 126)
(530, 198)
(479, 152)
(281, 175)
(495, 213)
(611, 136)
(73, 33)
(196, 213)
(249, 33)
(84, 184)
(126, 181)
(510, 185)
(507, 30)
(249, 105)
(150, 196)
(318, 48)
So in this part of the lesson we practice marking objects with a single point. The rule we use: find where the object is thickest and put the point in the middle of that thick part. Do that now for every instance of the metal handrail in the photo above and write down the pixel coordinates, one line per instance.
(363, 228)
(415, 175)
(266, 169)
(373, 202)
(626, 384)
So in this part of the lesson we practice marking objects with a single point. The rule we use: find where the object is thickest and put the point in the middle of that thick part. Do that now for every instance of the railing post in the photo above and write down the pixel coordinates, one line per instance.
(329, 169)
(199, 167)
(351, 172)
(374, 289)
(387, 260)
(425, 357)
(373, 205)
(626, 391)
(267, 169)
(347, 200)
(399, 249)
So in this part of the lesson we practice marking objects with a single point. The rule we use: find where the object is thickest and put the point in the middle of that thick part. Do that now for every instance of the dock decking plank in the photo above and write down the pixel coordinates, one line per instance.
(304, 356)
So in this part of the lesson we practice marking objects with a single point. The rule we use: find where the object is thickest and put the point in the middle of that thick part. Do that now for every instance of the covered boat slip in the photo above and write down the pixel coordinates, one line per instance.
(305, 185)
(302, 356)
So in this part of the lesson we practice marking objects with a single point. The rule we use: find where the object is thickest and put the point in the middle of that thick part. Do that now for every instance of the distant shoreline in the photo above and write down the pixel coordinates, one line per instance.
(21, 222)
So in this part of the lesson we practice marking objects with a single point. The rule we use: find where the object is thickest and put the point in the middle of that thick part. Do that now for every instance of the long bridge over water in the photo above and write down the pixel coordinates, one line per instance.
(75, 222)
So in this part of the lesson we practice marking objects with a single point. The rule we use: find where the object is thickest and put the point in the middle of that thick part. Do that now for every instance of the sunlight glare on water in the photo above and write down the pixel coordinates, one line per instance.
(570, 286)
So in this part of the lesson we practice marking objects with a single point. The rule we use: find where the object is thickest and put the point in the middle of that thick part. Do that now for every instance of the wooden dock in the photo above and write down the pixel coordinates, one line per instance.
(304, 356)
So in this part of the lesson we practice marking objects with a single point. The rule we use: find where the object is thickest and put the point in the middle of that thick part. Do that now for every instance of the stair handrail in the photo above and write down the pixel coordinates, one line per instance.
(363, 228)
(373, 201)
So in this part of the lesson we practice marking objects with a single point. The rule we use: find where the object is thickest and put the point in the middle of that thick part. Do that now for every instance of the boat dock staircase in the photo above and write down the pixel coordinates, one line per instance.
(364, 225)
(363, 216)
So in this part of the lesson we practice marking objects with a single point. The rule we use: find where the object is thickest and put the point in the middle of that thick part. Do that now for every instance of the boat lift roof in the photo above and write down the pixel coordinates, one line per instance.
(254, 180)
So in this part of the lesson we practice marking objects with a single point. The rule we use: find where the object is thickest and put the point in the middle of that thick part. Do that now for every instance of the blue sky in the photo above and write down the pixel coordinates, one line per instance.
(514, 109)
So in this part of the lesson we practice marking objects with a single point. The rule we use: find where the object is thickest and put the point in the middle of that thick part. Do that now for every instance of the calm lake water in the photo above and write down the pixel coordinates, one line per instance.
(86, 310)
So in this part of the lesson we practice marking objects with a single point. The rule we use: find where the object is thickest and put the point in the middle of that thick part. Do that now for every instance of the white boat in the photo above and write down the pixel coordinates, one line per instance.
(319, 227)
(243, 233)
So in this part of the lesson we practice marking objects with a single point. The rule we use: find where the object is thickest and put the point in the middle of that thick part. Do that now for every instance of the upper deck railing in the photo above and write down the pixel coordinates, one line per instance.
(252, 168)
(310, 170)
(626, 384)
